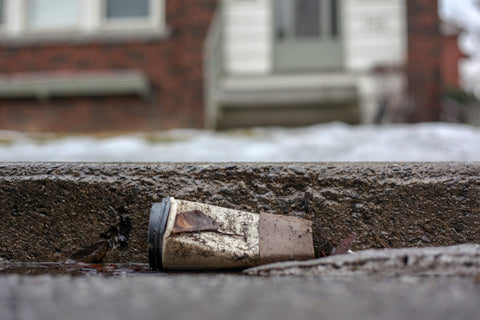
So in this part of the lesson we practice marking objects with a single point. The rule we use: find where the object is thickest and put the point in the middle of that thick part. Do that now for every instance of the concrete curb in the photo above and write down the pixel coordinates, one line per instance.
(50, 210)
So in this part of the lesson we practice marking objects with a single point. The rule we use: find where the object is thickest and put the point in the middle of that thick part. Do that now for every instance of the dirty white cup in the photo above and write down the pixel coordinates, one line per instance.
(192, 235)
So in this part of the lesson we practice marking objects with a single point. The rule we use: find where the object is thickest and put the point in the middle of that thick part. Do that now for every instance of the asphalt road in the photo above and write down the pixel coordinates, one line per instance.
(189, 296)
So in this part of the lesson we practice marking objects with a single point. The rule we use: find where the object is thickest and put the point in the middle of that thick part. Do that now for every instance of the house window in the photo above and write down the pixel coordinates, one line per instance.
(120, 9)
(132, 15)
(58, 19)
(50, 14)
(307, 18)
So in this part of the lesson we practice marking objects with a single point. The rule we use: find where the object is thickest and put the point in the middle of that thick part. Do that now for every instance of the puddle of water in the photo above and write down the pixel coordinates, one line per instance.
(114, 270)
(77, 269)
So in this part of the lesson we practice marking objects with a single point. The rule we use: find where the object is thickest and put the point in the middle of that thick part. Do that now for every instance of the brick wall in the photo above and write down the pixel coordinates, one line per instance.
(424, 59)
(451, 55)
(173, 66)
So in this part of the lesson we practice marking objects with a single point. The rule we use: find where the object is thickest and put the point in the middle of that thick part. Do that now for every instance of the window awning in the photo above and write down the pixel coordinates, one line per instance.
(43, 85)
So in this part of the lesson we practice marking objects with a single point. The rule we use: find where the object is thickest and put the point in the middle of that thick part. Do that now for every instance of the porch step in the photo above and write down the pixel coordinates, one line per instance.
(287, 100)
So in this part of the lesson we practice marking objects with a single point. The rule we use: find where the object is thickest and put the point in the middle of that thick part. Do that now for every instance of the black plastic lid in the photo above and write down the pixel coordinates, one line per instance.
(156, 230)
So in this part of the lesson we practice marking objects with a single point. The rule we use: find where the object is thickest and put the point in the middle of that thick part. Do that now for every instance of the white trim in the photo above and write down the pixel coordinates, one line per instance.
(90, 23)
(14, 26)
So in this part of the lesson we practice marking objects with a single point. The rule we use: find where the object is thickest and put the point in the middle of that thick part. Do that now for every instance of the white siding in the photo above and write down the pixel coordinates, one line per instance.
(247, 34)
(374, 33)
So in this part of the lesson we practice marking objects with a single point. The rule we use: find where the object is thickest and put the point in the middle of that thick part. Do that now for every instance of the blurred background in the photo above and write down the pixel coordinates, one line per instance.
(239, 80)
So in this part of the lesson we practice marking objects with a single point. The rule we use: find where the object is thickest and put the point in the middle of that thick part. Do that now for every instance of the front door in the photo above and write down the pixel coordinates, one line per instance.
(307, 35)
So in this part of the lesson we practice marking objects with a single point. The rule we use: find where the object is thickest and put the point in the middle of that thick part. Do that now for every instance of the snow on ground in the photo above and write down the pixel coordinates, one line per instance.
(326, 142)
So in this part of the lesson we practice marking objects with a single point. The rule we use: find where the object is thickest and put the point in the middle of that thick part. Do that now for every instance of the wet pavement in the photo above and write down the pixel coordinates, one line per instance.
(76, 269)
(187, 296)
(422, 283)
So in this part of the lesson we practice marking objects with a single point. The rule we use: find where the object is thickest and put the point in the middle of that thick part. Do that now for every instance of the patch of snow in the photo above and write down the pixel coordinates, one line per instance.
(326, 142)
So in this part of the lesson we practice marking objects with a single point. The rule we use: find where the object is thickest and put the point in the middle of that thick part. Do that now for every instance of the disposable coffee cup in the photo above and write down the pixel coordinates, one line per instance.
(192, 235)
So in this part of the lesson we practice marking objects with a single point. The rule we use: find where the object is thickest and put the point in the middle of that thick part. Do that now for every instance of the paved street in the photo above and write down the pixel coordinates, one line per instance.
(238, 297)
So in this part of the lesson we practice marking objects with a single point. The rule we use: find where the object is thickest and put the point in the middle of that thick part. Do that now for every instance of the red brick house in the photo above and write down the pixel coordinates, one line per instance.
(124, 65)
(451, 54)
(103, 65)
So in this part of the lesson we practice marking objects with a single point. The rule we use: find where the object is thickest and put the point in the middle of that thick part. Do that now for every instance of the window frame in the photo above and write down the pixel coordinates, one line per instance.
(154, 20)
(91, 23)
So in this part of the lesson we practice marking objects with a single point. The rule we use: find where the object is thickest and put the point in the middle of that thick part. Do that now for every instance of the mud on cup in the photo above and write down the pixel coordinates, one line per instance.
(191, 235)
